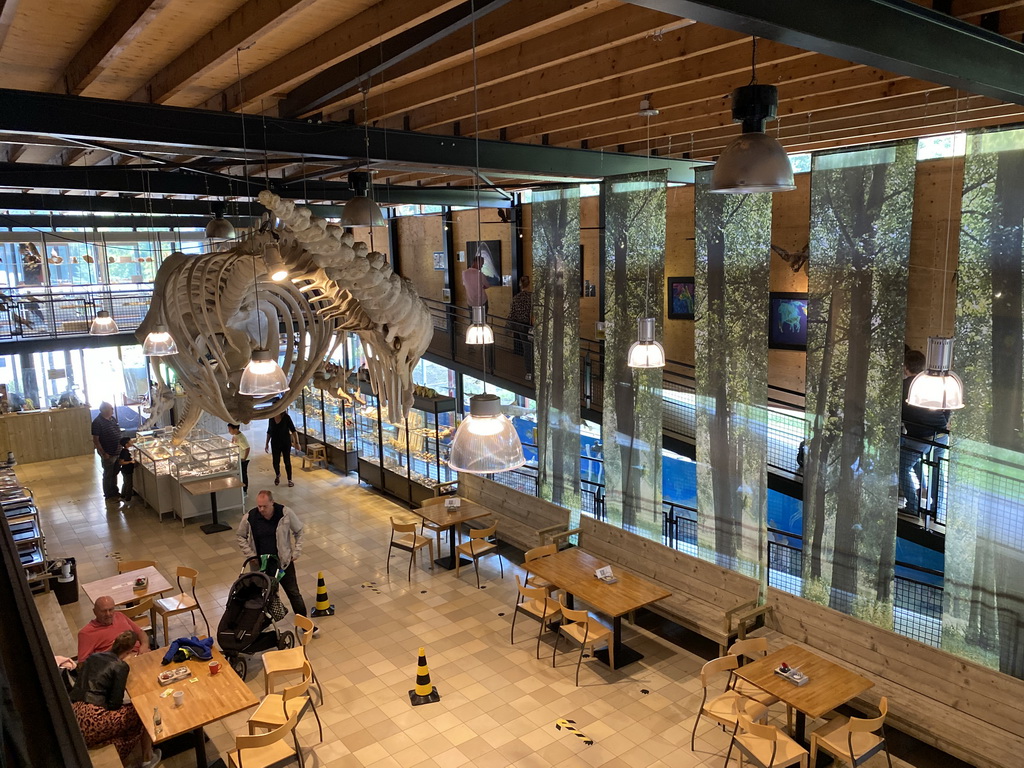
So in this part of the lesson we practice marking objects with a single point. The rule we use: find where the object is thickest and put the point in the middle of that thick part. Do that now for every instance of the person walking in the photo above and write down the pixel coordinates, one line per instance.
(243, 453)
(270, 528)
(106, 439)
(127, 462)
(281, 436)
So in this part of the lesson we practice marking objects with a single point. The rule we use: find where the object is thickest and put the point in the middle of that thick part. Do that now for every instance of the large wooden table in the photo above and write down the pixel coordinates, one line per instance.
(829, 685)
(207, 700)
(573, 570)
(121, 587)
(449, 518)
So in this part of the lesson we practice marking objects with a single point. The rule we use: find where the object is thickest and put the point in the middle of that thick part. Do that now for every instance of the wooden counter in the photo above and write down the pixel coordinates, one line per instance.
(46, 435)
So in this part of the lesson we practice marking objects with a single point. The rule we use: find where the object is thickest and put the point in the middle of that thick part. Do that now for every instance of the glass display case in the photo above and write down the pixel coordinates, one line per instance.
(323, 418)
(408, 460)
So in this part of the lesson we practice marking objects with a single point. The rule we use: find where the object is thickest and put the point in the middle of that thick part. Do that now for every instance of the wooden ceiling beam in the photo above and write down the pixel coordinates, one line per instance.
(7, 10)
(591, 36)
(690, 43)
(500, 30)
(114, 34)
(967, 9)
(218, 46)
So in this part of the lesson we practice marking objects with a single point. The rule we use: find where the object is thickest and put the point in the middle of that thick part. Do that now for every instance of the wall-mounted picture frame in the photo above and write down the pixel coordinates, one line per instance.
(440, 262)
(787, 321)
(680, 298)
(490, 252)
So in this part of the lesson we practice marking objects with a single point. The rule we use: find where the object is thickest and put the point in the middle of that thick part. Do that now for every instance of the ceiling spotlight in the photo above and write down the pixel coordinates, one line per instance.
(276, 267)
(361, 211)
(219, 228)
(646, 110)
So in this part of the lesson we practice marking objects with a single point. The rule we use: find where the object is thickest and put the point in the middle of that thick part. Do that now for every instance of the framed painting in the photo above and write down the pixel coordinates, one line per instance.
(490, 252)
(787, 321)
(680, 300)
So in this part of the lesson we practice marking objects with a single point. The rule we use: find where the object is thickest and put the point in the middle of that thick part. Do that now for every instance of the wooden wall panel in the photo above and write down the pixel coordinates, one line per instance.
(590, 239)
(419, 237)
(465, 223)
(679, 244)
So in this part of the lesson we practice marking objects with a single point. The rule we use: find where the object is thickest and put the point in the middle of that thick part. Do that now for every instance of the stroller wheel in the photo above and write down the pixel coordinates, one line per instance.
(286, 640)
(238, 664)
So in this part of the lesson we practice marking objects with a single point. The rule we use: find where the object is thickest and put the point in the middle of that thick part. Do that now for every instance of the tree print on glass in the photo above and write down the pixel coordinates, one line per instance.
(634, 273)
(731, 342)
(556, 308)
(983, 596)
(861, 206)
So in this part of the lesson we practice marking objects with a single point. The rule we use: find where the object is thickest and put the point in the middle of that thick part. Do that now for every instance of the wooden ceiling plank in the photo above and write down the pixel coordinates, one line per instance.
(7, 10)
(590, 37)
(118, 30)
(239, 30)
(966, 9)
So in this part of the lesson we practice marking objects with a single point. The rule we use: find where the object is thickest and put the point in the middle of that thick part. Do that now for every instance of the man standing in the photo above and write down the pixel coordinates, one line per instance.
(270, 528)
(475, 283)
(281, 435)
(100, 633)
(243, 453)
(106, 439)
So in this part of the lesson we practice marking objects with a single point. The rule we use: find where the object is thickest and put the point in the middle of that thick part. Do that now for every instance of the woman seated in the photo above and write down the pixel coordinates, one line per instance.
(98, 702)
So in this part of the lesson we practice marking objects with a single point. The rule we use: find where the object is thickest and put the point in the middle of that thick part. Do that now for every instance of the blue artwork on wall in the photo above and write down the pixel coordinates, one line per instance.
(787, 321)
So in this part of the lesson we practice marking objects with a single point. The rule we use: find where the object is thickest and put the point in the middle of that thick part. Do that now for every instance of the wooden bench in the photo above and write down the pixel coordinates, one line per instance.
(105, 757)
(712, 601)
(63, 640)
(964, 709)
(523, 520)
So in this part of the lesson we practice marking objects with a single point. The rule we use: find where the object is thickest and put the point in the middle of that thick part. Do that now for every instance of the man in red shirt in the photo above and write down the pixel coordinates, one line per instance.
(99, 634)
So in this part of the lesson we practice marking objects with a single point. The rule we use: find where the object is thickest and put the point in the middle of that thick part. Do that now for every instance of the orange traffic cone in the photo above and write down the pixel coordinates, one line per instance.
(424, 692)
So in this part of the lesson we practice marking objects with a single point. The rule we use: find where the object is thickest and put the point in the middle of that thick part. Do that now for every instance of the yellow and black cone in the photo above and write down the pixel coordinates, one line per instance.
(424, 692)
(323, 605)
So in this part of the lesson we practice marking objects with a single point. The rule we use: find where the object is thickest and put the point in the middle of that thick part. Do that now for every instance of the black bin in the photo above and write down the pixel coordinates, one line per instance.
(67, 591)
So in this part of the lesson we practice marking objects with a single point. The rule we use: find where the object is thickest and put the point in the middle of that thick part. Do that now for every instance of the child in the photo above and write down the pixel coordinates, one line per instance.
(243, 453)
(127, 469)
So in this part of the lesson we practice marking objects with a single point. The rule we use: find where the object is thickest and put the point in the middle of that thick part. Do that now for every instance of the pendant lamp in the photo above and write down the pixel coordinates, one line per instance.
(262, 376)
(219, 228)
(486, 441)
(276, 267)
(937, 387)
(159, 343)
(361, 211)
(479, 332)
(646, 352)
(103, 324)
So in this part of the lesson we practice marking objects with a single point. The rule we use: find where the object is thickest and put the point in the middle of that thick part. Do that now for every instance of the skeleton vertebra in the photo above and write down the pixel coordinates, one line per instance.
(208, 304)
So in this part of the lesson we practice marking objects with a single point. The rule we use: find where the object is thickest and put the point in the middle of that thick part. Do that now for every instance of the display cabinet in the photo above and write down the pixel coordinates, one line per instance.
(408, 460)
(23, 520)
(328, 420)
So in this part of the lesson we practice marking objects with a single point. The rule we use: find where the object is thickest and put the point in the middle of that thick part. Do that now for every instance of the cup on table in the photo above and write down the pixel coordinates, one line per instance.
(214, 667)
(179, 698)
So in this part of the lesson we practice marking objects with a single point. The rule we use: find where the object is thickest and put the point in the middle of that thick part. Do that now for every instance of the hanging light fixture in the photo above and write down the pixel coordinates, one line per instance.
(219, 228)
(753, 161)
(103, 324)
(479, 332)
(486, 441)
(646, 352)
(159, 343)
(937, 387)
(263, 375)
(361, 211)
(276, 267)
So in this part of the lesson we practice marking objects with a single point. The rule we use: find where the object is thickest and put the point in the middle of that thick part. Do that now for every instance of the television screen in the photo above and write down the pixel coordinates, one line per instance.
(787, 321)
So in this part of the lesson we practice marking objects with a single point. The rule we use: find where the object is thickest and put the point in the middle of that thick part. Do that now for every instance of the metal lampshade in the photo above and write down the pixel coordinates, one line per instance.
(262, 376)
(219, 228)
(479, 332)
(486, 441)
(361, 211)
(103, 324)
(753, 161)
(159, 343)
(646, 352)
(937, 387)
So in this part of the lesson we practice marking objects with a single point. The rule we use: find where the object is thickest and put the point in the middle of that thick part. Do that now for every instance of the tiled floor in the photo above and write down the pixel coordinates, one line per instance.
(498, 703)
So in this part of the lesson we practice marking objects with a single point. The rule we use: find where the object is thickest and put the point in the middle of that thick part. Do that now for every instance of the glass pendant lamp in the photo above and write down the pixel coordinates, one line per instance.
(479, 332)
(486, 441)
(262, 376)
(646, 352)
(937, 387)
(103, 324)
(159, 343)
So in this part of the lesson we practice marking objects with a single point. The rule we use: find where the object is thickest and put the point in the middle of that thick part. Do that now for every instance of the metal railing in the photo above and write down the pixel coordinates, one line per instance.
(43, 314)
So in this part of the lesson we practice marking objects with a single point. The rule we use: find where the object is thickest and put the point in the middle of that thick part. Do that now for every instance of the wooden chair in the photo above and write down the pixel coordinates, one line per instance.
(290, 661)
(534, 601)
(263, 750)
(765, 745)
(853, 739)
(585, 630)
(276, 708)
(535, 554)
(182, 603)
(722, 708)
(754, 648)
(478, 546)
(142, 613)
(123, 566)
(409, 541)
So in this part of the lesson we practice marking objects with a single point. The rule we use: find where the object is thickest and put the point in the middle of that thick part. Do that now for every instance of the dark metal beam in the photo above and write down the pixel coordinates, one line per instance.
(90, 221)
(325, 88)
(140, 206)
(198, 132)
(894, 35)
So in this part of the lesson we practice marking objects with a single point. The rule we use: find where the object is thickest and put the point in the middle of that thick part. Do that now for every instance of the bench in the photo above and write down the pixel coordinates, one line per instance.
(712, 601)
(63, 640)
(523, 520)
(962, 708)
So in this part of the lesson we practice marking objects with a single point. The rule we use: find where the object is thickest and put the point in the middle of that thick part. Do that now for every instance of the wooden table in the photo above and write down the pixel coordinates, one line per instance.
(829, 685)
(211, 486)
(448, 518)
(573, 570)
(207, 700)
(122, 586)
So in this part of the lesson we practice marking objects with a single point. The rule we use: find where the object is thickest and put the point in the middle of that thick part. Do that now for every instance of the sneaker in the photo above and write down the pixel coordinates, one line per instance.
(154, 760)
(316, 631)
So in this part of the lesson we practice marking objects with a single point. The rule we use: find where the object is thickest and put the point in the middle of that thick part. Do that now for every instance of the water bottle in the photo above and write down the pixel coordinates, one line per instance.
(157, 722)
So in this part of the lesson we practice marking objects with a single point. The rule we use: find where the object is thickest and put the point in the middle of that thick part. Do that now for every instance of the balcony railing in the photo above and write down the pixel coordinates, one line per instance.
(44, 314)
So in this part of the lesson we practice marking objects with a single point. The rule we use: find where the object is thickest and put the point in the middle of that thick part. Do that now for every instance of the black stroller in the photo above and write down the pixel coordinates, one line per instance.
(249, 623)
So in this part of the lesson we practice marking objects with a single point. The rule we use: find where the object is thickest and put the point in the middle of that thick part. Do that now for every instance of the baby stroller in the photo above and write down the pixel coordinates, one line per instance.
(249, 623)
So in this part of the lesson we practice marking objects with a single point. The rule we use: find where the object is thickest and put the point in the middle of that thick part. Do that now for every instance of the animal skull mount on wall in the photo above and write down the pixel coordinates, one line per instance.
(208, 304)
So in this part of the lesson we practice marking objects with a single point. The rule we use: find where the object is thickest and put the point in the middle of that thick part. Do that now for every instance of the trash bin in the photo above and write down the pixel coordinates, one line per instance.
(66, 586)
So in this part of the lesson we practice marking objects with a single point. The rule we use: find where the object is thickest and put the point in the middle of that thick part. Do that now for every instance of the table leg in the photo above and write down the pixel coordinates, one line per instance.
(448, 563)
(200, 737)
(216, 526)
(623, 653)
